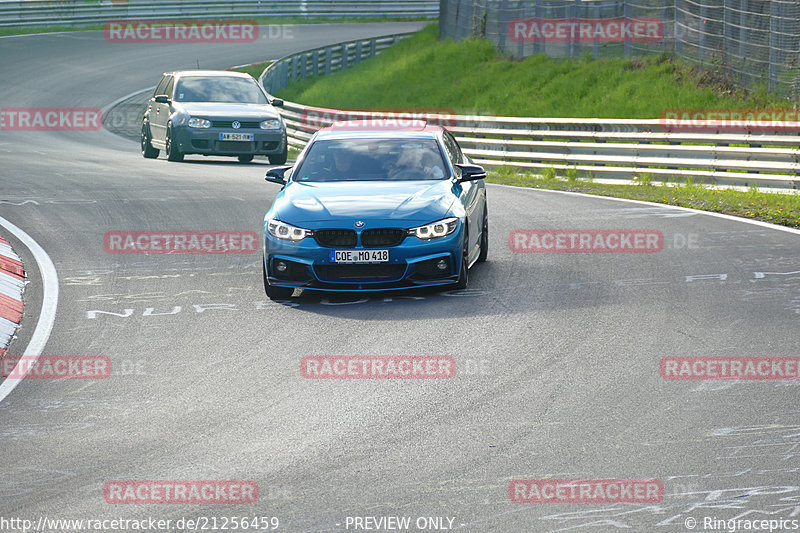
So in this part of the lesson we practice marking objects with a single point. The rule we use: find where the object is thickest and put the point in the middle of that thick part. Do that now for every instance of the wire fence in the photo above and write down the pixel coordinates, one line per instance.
(750, 43)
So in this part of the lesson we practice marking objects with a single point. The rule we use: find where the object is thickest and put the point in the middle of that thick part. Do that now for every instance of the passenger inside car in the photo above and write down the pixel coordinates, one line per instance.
(419, 162)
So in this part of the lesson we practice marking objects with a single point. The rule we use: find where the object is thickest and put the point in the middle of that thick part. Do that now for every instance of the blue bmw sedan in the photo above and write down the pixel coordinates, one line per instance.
(374, 207)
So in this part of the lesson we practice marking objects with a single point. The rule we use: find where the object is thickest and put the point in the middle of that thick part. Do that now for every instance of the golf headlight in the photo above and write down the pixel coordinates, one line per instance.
(195, 122)
(282, 230)
(440, 228)
(271, 124)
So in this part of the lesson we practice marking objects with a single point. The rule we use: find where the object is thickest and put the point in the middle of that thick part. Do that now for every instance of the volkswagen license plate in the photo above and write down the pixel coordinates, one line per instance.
(235, 136)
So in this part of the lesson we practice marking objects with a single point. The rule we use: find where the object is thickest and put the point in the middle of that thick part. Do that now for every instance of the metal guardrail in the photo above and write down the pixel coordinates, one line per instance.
(81, 12)
(323, 60)
(602, 148)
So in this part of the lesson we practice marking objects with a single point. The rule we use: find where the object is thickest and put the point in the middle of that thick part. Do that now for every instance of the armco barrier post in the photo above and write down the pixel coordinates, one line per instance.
(442, 18)
(327, 61)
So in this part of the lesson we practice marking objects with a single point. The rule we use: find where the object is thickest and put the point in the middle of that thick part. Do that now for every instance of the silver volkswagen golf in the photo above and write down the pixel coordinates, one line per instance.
(212, 112)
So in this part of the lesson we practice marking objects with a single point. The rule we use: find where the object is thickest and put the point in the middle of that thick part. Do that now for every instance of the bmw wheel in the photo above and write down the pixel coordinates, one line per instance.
(463, 275)
(484, 236)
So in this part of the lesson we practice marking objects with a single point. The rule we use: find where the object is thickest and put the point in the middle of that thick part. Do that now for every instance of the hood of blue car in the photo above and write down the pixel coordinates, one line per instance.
(213, 110)
(320, 204)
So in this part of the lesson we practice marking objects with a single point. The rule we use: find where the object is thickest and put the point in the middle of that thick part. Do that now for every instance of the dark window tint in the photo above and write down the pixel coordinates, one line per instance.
(219, 89)
(372, 160)
(161, 86)
(170, 85)
(453, 151)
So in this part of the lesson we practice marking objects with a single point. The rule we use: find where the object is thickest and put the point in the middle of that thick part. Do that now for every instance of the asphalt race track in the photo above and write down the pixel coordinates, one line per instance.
(557, 354)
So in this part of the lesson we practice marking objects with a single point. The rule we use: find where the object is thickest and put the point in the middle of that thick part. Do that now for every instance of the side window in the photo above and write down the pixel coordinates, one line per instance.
(453, 151)
(170, 85)
(161, 86)
(455, 147)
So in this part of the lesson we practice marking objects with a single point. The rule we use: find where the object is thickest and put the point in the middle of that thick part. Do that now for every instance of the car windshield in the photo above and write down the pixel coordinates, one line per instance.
(219, 89)
(372, 160)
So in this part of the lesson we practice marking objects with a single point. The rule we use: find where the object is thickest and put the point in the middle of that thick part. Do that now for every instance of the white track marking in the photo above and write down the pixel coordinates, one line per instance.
(653, 204)
(49, 301)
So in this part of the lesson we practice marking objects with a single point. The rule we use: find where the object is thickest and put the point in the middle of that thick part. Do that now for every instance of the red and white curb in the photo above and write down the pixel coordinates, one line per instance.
(12, 284)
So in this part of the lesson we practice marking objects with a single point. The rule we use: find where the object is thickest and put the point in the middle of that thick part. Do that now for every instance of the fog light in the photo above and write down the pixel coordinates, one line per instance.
(280, 266)
(441, 264)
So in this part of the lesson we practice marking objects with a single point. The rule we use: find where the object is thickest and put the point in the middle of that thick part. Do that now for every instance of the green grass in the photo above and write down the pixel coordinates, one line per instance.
(470, 77)
(259, 20)
(783, 209)
(253, 70)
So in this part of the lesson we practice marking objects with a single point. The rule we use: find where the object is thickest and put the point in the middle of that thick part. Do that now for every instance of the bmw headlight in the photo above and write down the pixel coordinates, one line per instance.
(441, 228)
(271, 124)
(282, 230)
(195, 122)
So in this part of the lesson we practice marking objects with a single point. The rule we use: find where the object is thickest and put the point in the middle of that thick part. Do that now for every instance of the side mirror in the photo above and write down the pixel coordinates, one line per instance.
(162, 99)
(275, 175)
(471, 172)
(277, 102)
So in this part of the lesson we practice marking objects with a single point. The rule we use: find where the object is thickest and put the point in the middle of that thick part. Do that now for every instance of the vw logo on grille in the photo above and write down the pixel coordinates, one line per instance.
(360, 224)
(236, 125)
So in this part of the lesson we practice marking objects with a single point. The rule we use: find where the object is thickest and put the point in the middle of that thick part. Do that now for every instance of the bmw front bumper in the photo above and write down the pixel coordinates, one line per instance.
(412, 263)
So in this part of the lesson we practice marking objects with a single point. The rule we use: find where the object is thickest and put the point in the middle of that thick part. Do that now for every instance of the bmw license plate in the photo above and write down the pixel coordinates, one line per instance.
(235, 136)
(359, 256)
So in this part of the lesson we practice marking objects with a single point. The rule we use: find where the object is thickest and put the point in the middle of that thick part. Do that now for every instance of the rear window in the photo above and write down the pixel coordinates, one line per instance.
(372, 160)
